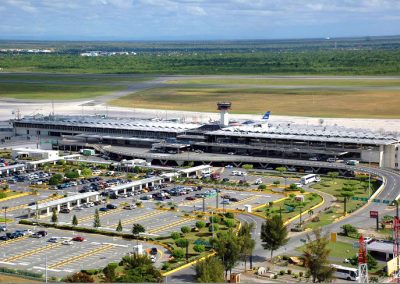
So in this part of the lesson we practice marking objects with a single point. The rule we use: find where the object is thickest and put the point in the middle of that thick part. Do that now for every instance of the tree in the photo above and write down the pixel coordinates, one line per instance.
(119, 227)
(185, 229)
(136, 230)
(86, 172)
(273, 234)
(281, 170)
(74, 220)
(109, 272)
(56, 179)
(200, 224)
(247, 167)
(54, 217)
(182, 243)
(247, 244)
(333, 175)
(349, 230)
(372, 263)
(175, 235)
(96, 221)
(262, 187)
(72, 174)
(79, 277)
(199, 248)
(315, 256)
(227, 246)
(347, 192)
(210, 271)
(139, 269)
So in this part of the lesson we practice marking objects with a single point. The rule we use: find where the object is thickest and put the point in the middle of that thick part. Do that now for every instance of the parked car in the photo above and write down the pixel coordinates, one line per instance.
(78, 239)
(111, 206)
(190, 198)
(104, 209)
(67, 242)
(65, 210)
(39, 234)
(53, 240)
(3, 228)
(130, 207)
(4, 238)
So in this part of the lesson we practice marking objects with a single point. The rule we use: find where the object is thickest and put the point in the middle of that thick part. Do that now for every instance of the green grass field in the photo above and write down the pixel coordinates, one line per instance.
(317, 102)
(54, 91)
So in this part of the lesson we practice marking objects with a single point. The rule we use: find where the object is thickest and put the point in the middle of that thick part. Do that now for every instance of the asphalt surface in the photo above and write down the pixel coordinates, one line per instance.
(360, 219)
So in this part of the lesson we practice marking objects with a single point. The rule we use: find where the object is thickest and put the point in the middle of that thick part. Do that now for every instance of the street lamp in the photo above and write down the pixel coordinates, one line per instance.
(5, 216)
(369, 172)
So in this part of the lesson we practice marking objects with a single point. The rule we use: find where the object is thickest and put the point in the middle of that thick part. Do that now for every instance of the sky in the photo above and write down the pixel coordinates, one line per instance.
(196, 19)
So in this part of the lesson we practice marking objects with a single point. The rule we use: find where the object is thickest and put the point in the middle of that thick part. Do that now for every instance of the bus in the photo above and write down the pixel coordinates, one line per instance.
(310, 178)
(343, 272)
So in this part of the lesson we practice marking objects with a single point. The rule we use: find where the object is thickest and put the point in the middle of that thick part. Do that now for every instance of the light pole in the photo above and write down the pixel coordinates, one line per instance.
(369, 172)
(5, 216)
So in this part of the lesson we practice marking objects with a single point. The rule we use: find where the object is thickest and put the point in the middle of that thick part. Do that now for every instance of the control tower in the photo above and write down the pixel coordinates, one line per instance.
(223, 108)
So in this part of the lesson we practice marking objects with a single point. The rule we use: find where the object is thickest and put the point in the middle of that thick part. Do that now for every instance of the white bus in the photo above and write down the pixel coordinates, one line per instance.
(310, 178)
(343, 272)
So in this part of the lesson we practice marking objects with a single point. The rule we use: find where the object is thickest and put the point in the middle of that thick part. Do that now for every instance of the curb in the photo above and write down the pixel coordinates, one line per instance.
(188, 264)
(15, 196)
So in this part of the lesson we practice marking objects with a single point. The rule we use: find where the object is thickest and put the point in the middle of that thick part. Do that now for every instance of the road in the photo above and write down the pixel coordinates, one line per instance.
(359, 219)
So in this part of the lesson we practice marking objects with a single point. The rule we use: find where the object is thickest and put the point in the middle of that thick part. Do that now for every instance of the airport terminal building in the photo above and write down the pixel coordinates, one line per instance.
(250, 138)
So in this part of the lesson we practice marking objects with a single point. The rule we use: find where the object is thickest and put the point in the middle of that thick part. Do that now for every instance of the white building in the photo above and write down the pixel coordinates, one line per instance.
(34, 153)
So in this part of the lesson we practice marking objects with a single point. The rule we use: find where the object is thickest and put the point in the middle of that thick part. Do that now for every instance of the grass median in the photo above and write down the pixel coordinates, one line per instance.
(334, 187)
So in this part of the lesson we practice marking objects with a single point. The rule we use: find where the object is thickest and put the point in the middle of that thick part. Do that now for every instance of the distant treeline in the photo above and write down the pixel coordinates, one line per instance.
(346, 62)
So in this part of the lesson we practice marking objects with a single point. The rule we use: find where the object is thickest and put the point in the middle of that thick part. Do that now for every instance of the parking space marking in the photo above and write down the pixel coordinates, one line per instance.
(145, 216)
(31, 252)
(111, 211)
(250, 198)
(81, 256)
(12, 241)
(166, 227)
(187, 203)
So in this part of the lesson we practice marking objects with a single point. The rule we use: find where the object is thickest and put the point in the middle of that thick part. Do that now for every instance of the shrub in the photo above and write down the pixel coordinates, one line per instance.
(215, 219)
(199, 248)
(349, 230)
(229, 223)
(275, 276)
(216, 228)
(181, 242)
(175, 235)
(200, 224)
(178, 253)
(262, 187)
(185, 229)
(229, 215)
(166, 266)
(276, 182)
(289, 271)
(282, 272)
(293, 186)
(301, 273)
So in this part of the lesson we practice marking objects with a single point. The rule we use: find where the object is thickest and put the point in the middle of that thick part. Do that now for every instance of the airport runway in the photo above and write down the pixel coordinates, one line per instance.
(9, 108)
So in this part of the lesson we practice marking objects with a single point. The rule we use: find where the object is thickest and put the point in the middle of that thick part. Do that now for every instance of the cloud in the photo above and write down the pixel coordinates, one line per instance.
(196, 10)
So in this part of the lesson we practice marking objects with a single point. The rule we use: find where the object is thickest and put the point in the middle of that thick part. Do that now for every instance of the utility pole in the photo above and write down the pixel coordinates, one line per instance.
(204, 204)
(301, 211)
(217, 199)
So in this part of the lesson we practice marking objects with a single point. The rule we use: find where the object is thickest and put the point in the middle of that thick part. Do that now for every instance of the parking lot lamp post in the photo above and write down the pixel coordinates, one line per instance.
(212, 223)
(5, 215)
(204, 204)
(46, 268)
(216, 204)
(301, 211)
(369, 172)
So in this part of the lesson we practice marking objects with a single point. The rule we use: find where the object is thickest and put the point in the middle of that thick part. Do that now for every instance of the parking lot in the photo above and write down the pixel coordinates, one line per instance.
(95, 251)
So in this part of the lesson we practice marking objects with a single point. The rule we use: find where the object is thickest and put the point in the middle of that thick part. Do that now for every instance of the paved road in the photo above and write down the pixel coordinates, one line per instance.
(360, 219)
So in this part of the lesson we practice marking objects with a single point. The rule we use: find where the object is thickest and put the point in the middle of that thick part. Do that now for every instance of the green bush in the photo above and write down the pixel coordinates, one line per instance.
(230, 223)
(175, 235)
(3, 195)
(229, 215)
(276, 182)
(215, 219)
(275, 276)
(166, 266)
(289, 271)
(262, 187)
(185, 229)
(301, 273)
(200, 224)
(178, 253)
(181, 242)
(199, 248)
(282, 272)
(216, 228)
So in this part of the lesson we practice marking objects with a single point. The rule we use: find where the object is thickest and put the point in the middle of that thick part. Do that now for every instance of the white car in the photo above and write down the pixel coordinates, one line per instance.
(229, 166)
(153, 258)
(298, 184)
(27, 232)
(67, 242)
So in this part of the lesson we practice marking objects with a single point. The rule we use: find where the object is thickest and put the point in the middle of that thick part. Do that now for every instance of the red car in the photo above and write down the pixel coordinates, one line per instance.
(78, 239)
(190, 198)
